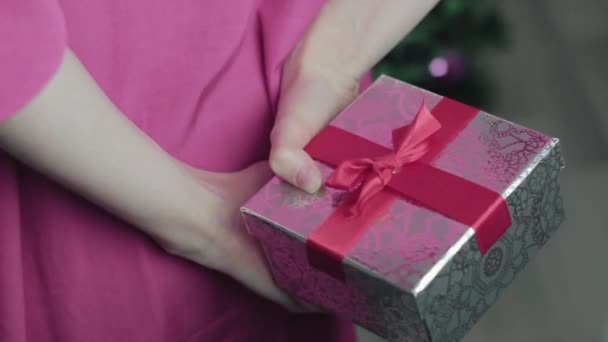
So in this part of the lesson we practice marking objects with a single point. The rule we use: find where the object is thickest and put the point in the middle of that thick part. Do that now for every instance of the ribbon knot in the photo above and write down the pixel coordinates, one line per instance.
(369, 176)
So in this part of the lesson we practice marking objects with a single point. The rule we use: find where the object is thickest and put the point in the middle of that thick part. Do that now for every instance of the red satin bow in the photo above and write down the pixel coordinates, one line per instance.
(368, 170)
(369, 176)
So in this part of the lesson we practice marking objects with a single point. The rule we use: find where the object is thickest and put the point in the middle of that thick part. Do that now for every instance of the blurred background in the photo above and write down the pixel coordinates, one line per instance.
(543, 64)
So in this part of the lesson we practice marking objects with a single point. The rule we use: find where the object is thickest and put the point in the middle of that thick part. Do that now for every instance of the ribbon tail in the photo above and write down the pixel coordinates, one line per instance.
(369, 188)
(348, 175)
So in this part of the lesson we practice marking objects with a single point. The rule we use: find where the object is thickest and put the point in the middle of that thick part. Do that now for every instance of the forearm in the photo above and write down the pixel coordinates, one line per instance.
(351, 36)
(74, 134)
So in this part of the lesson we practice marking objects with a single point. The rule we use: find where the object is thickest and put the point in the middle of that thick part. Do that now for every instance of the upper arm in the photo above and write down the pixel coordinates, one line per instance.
(32, 43)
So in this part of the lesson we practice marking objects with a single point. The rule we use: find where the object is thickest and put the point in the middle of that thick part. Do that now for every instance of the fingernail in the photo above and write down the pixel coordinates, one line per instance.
(308, 178)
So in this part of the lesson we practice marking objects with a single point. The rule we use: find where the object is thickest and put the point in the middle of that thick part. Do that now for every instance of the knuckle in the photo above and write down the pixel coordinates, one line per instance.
(278, 161)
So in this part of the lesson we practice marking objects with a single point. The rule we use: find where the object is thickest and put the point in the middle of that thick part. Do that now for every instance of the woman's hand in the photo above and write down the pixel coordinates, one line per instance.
(230, 250)
(321, 77)
(311, 98)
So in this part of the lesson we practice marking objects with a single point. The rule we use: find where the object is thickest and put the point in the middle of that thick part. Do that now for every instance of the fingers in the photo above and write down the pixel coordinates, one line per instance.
(265, 287)
(233, 251)
(288, 159)
(296, 167)
(293, 129)
(308, 104)
(255, 274)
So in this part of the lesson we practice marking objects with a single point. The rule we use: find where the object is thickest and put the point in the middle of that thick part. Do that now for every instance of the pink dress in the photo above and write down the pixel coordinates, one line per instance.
(195, 75)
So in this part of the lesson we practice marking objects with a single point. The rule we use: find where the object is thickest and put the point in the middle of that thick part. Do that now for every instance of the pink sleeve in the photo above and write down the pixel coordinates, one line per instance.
(32, 42)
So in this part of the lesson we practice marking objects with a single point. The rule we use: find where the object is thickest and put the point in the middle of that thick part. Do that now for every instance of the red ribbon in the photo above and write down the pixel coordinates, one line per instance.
(376, 176)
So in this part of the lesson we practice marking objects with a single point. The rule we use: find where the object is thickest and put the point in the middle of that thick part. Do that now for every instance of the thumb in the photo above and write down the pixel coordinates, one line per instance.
(307, 105)
(287, 157)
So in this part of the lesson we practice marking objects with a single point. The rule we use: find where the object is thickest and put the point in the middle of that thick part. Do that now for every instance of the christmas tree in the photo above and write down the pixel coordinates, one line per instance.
(442, 53)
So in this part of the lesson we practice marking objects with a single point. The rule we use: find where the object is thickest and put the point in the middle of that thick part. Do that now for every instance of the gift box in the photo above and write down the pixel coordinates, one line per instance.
(430, 209)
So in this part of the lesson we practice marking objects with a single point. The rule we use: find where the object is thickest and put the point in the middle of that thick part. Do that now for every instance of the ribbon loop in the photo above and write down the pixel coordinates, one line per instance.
(369, 176)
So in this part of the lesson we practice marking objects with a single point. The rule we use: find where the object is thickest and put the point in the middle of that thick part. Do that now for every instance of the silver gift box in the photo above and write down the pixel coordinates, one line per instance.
(417, 275)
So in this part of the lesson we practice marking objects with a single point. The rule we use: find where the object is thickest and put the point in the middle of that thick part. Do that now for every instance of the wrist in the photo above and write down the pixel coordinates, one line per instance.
(308, 61)
(189, 228)
(307, 72)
